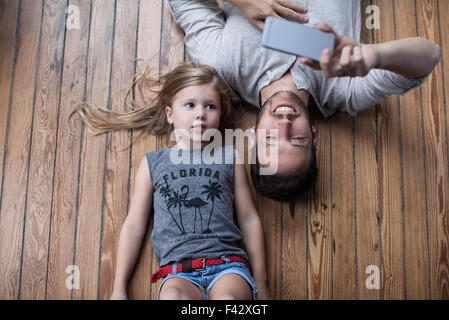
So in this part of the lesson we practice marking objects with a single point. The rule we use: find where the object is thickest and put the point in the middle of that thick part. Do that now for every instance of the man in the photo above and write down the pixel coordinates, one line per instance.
(354, 78)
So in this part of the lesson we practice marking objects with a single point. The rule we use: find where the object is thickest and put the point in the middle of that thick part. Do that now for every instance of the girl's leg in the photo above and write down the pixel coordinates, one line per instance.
(180, 289)
(231, 286)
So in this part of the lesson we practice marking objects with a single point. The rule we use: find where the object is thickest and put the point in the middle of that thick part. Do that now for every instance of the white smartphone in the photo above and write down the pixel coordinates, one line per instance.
(295, 38)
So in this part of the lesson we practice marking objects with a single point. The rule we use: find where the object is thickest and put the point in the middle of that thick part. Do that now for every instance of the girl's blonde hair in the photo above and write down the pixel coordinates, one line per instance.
(155, 95)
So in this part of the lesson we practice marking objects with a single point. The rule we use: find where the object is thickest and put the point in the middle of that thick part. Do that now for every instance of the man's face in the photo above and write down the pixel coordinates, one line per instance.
(284, 122)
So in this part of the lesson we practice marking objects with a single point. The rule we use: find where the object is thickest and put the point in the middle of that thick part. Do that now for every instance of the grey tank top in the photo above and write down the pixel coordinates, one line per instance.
(193, 204)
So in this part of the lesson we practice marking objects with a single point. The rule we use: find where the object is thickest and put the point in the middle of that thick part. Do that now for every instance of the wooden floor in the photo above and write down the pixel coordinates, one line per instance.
(382, 194)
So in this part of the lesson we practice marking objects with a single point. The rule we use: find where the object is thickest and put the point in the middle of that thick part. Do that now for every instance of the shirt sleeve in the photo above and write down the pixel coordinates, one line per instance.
(375, 87)
(203, 22)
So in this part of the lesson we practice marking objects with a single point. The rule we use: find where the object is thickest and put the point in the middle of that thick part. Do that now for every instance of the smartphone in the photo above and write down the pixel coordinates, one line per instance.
(295, 38)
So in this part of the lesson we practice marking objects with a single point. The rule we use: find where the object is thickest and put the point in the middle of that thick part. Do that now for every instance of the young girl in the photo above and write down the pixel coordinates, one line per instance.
(194, 235)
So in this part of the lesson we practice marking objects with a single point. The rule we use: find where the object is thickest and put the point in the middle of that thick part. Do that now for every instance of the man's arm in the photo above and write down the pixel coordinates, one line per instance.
(203, 22)
(411, 57)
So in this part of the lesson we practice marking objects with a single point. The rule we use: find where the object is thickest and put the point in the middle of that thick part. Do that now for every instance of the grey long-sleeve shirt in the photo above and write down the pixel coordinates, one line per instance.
(224, 39)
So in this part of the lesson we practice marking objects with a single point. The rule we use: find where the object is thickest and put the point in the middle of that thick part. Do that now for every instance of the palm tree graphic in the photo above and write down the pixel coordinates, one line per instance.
(213, 191)
(176, 201)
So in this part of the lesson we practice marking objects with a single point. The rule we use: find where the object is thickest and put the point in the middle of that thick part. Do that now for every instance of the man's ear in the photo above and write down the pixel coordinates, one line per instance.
(314, 137)
(169, 113)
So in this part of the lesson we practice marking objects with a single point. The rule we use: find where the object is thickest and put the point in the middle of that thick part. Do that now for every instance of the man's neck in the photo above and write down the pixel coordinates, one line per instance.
(285, 83)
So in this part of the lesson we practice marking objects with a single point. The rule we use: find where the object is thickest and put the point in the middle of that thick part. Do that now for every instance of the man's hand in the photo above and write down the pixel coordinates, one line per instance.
(256, 11)
(349, 58)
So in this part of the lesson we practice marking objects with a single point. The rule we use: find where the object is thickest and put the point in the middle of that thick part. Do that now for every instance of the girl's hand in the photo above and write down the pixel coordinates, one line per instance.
(262, 292)
(119, 295)
(349, 58)
(256, 11)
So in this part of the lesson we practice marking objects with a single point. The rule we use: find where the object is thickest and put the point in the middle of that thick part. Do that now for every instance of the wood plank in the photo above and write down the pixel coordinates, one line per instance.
(294, 249)
(115, 206)
(42, 158)
(367, 202)
(415, 229)
(389, 158)
(271, 218)
(93, 153)
(12, 214)
(319, 229)
(367, 195)
(9, 12)
(436, 159)
(148, 48)
(63, 220)
(443, 7)
(342, 207)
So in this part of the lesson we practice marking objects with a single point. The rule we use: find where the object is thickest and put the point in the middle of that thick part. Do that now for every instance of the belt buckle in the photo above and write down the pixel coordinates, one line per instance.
(203, 265)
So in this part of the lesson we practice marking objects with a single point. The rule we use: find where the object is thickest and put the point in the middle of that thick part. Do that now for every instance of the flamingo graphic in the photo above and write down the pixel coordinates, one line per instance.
(197, 203)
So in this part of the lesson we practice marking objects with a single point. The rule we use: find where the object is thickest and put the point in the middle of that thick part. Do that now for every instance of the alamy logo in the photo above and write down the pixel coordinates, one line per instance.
(73, 18)
(267, 148)
(73, 280)
(373, 280)
(373, 20)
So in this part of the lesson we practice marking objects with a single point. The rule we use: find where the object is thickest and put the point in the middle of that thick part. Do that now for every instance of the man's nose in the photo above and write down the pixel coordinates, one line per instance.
(285, 121)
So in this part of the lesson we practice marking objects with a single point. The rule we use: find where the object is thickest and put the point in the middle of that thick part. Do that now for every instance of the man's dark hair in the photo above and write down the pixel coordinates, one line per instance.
(284, 188)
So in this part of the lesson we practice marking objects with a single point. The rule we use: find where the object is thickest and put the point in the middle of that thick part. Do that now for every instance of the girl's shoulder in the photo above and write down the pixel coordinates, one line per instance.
(159, 152)
(156, 156)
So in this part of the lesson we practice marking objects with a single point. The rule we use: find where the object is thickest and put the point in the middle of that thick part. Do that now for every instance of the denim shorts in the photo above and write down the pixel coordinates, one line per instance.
(205, 279)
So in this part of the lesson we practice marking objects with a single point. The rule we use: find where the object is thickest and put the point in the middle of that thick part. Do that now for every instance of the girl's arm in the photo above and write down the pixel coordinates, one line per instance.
(133, 230)
(249, 223)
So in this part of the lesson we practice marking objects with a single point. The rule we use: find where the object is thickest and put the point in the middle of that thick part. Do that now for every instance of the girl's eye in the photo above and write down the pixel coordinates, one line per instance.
(210, 106)
(190, 105)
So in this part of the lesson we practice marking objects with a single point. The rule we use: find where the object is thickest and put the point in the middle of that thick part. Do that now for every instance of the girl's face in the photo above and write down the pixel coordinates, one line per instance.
(194, 110)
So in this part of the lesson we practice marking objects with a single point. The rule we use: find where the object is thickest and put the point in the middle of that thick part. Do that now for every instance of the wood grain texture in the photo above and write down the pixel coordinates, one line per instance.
(9, 13)
(319, 229)
(271, 217)
(389, 159)
(367, 189)
(342, 208)
(443, 7)
(91, 184)
(64, 207)
(436, 158)
(16, 161)
(43, 148)
(413, 168)
(294, 248)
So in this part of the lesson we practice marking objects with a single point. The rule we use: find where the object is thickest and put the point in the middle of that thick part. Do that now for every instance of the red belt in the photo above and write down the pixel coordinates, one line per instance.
(193, 265)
